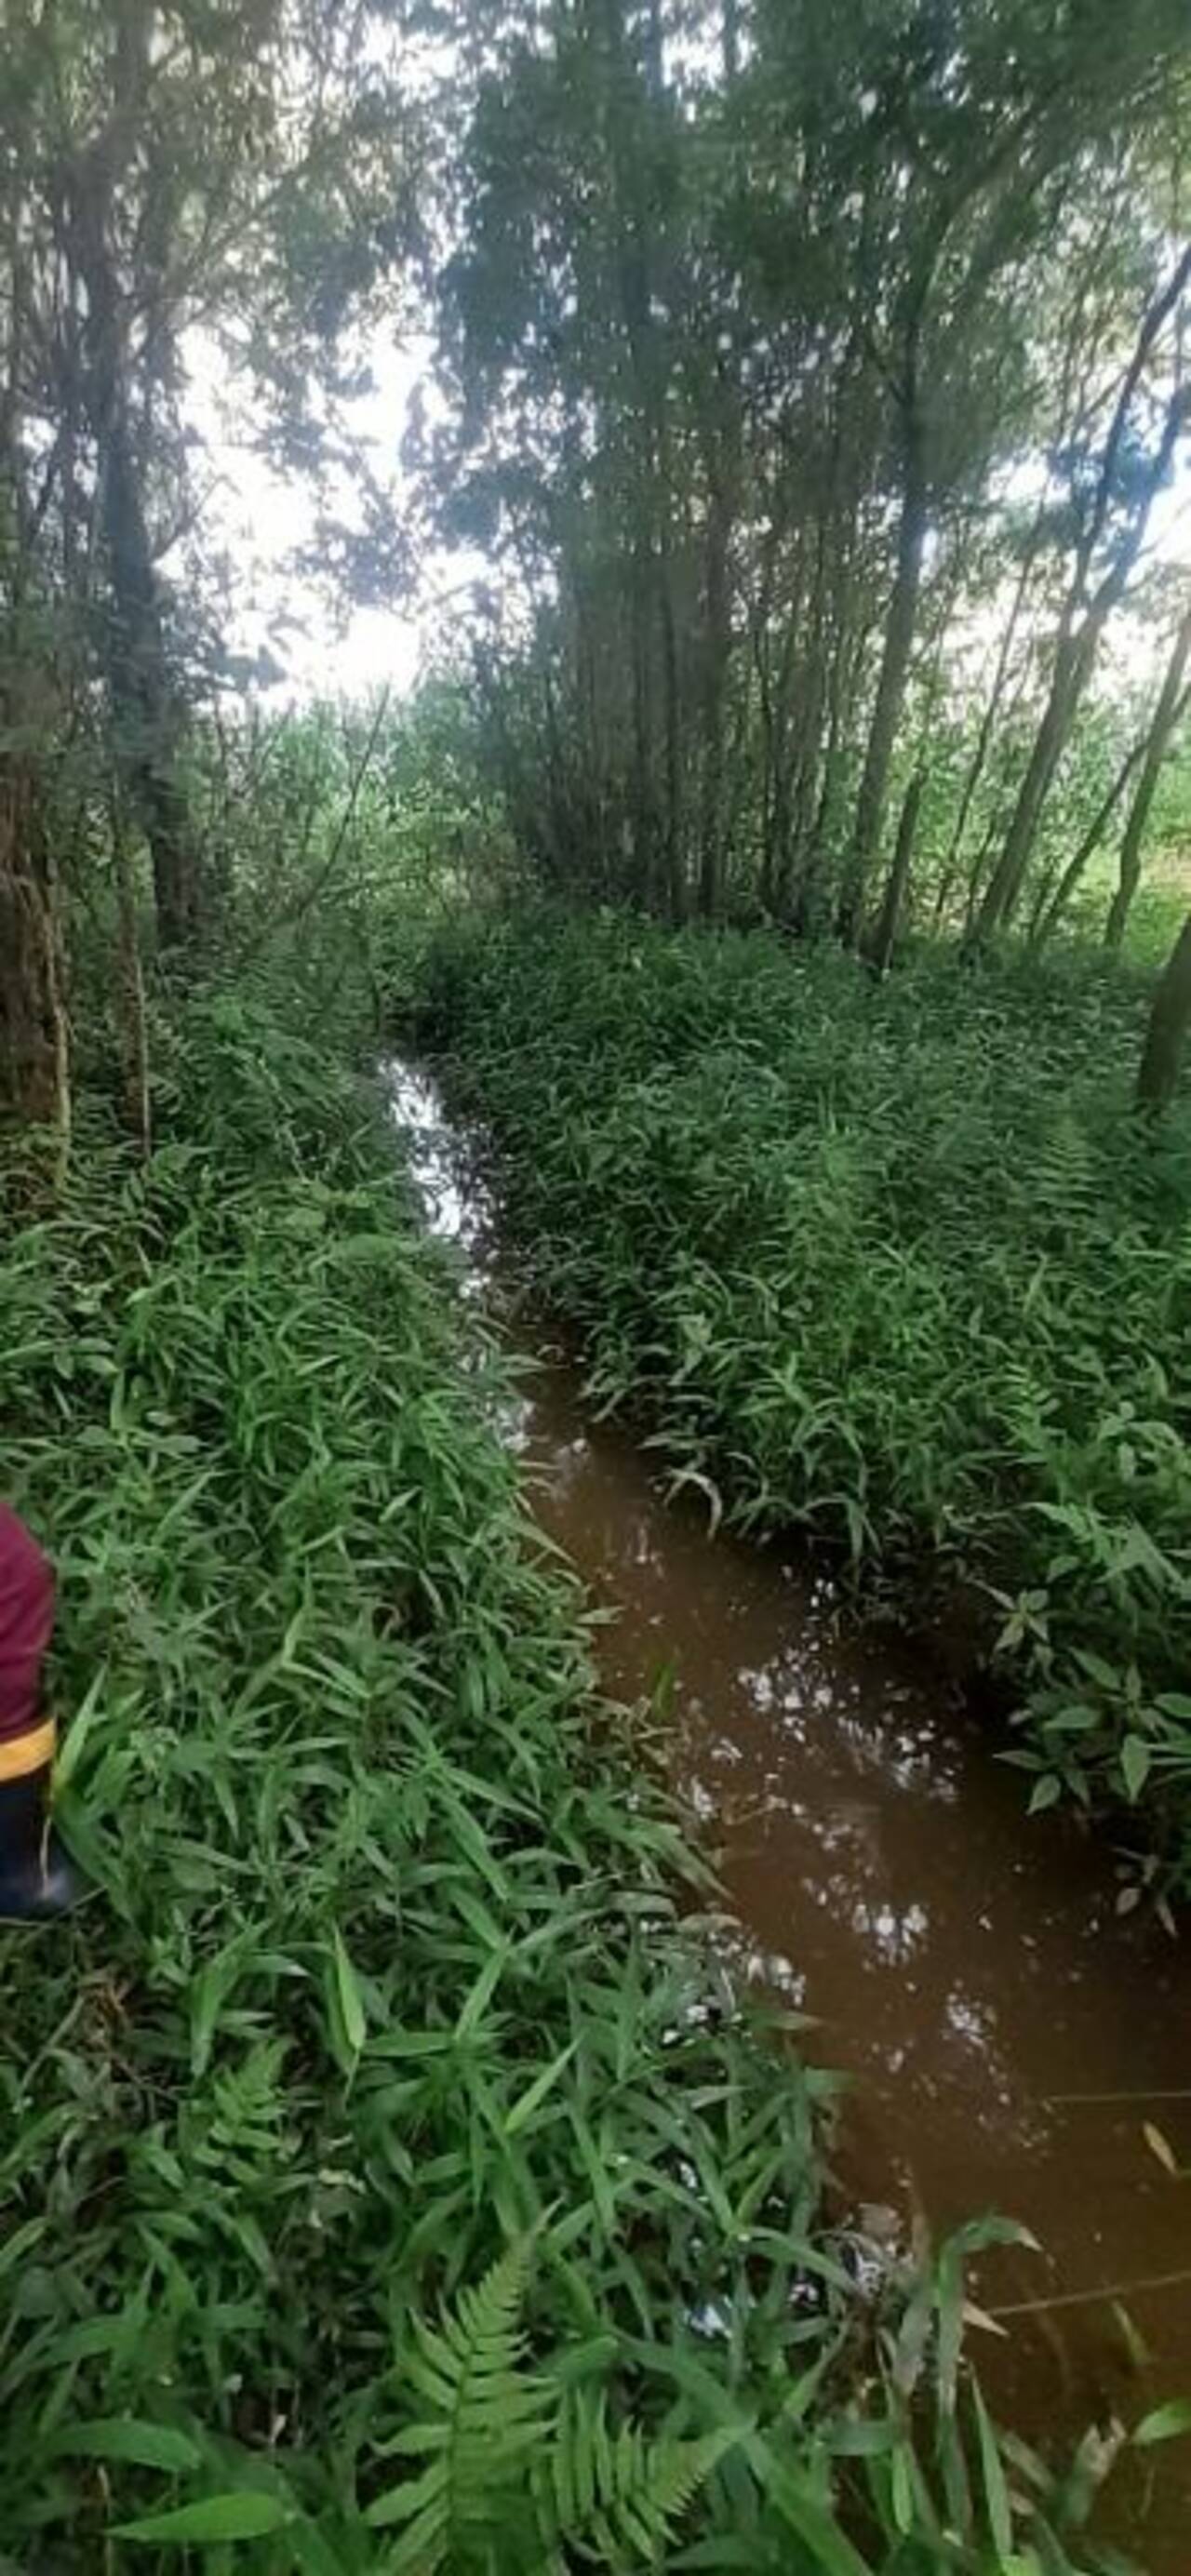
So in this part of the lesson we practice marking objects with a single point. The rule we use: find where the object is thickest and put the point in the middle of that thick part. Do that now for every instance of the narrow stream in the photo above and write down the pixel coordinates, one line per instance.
(1008, 2034)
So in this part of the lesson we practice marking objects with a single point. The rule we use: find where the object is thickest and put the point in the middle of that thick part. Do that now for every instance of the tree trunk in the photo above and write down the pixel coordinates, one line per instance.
(658, 828)
(996, 823)
(951, 864)
(885, 935)
(674, 837)
(1166, 1035)
(643, 799)
(1068, 681)
(144, 703)
(891, 685)
(1054, 904)
(34, 1034)
(718, 653)
(844, 665)
(775, 692)
(134, 1040)
(1166, 716)
(805, 767)
(1078, 642)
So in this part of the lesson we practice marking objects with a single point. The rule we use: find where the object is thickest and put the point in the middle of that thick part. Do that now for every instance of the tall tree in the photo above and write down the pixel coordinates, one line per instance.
(171, 164)
(1114, 521)
(733, 330)
(1171, 700)
(1166, 1035)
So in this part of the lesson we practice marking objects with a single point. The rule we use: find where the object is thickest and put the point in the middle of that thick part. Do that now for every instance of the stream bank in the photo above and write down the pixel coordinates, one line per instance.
(1007, 2034)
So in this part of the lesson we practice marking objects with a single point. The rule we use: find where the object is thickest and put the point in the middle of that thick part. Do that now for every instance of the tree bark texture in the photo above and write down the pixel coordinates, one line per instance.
(893, 905)
(891, 689)
(1167, 1032)
(34, 1034)
(1166, 716)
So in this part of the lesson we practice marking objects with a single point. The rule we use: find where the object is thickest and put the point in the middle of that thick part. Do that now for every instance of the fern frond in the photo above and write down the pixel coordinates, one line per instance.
(486, 2415)
(616, 2498)
(501, 2467)
(1063, 1176)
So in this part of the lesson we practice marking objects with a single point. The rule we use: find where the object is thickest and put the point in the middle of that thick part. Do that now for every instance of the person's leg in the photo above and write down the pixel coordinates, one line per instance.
(26, 1627)
(35, 1876)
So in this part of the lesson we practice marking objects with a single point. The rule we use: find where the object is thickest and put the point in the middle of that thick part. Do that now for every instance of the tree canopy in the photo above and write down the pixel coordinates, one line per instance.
(809, 381)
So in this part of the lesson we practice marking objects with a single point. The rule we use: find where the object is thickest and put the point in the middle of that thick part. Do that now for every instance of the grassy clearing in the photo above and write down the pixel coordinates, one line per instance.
(383, 2184)
(892, 1264)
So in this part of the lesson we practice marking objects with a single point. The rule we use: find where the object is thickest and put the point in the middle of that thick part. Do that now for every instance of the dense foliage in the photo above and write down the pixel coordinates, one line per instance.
(813, 381)
(887, 1262)
(385, 2004)
(801, 407)
(190, 194)
(387, 2181)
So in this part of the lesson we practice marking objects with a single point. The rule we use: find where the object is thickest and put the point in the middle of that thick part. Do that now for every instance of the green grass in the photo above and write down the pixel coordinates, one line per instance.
(892, 1264)
(387, 2179)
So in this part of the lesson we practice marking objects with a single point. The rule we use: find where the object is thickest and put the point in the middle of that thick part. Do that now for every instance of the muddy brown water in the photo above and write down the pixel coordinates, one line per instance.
(1006, 2033)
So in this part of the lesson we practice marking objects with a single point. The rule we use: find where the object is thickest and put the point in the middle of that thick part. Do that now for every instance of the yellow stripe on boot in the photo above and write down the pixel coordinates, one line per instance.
(21, 1754)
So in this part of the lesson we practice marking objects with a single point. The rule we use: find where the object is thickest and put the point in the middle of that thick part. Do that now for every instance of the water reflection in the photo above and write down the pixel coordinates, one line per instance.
(957, 1959)
(453, 1201)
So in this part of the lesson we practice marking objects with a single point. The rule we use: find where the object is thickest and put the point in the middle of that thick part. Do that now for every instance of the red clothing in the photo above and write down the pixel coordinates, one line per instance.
(26, 1625)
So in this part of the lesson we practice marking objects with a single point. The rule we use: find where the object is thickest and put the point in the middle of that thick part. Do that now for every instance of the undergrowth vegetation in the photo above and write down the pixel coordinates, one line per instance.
(387, 2179)
(896, 1263)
